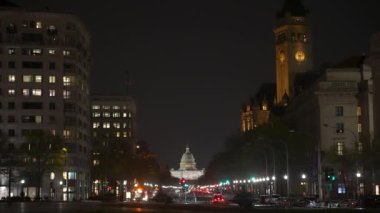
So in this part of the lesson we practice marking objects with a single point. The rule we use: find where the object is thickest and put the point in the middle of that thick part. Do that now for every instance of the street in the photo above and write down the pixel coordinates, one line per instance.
(98, 207)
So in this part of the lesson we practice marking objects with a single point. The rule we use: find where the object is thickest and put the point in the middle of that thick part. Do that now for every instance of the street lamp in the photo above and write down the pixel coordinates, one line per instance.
(358, 175)
(303, 176)
(285, 177)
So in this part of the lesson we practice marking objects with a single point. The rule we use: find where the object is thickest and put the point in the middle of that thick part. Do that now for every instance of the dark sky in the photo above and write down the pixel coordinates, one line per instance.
(195, 62)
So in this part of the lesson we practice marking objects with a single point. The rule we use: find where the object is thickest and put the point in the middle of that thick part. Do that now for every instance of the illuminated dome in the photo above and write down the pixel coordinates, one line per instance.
(187, 161)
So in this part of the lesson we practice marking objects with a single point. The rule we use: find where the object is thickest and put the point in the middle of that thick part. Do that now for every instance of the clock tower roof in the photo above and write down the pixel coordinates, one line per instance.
(292, 8)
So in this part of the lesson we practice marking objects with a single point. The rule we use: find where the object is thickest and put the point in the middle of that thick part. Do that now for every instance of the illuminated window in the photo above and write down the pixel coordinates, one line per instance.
(106, 125)
(125, 134)
(27, 78)
(360, 147)
(11, 51)
(51, 92)
(51, 52)
(359, 128)
(95, 125)
(129, 115)
(38, 78)
(11, 92)
(265, 107)
(36, 51)
(340, 147)
(338, 110)
(116, 125)
(95, 107)
(116, 114)
(106, 114)
(96, 162)
(11, 78)
(38, 119)
(116, 107)
(124, 114)
(52, 79)
(39, 25)
(358, 111)
(66, 52)
(66, 81)
(106, 107)
(72, 175)
(118, 134)
(36, 92)
(25, 92)
(66, 94)
(96, 114)
(66, 133)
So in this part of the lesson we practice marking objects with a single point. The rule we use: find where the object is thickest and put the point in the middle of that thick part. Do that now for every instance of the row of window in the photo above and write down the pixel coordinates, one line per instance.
(107, 125)
(37, 51)
(32, 24)
(39, 93)
(113, 114)
(35, 65)
(340, 112)
(115, 134)
(29, 105)
(108, 107)
(67, 80)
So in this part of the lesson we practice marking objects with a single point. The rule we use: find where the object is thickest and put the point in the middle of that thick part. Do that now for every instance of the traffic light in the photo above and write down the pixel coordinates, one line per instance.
(183, 181)
(329, 174)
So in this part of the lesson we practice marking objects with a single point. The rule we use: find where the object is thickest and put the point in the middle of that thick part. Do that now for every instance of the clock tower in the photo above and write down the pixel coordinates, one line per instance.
(293, 48)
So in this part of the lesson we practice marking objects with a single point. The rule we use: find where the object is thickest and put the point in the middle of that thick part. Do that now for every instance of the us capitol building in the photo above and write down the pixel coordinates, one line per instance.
(187, 167)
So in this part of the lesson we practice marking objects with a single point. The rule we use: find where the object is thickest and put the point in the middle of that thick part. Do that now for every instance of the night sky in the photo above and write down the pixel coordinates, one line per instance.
(193, 63)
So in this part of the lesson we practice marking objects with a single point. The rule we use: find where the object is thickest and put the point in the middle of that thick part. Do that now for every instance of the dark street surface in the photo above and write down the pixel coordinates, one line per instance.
(97, 207)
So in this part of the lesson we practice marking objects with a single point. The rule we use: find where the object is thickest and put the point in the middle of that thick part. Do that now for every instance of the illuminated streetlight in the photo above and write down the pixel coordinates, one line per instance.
(285, 177)
(358, 175)
(303, 176)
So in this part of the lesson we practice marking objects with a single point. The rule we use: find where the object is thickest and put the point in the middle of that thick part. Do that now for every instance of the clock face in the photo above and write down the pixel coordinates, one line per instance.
(300, 56)
(282, 56)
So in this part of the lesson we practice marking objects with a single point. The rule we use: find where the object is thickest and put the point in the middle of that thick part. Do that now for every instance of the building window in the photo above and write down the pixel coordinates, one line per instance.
(339, 110)
(51, 106)
(358, 111)
(11, 119)
(106, 107)
(11, 64)
(51, 92)
(360, 147)
(11, 133)
(66, 133)
(72, 175)
(38, 78)
(66, 52)
(125, 134)
(106, 115)
(39, 25)
(36, 51)
(25, 92)
(116, 125)
(116, 107)
(52, 79)
(340, 147)
(66, 94)
(116, 114)
(340, 128)
(11, 51)
(52, 66)
(66, 81)
(51, 52)
(95, 107)
(95, 125)
(36, 92)
(27, 78)
(11, 78)
(118, 134)
(124, 114)
(359, 128)
(96, 114)
(96, 162)
(11, 105)
(12, 92)
(106, 125)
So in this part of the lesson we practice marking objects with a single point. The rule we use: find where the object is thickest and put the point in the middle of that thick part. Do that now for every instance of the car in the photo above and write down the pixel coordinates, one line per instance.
(161, 197)
(219, 199)
(243, 199)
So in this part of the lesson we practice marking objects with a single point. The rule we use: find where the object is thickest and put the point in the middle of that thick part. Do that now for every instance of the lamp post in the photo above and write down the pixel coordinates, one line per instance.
(358, 175)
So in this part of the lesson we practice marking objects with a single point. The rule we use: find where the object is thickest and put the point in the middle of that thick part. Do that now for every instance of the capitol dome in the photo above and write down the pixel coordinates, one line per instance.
(187, 161)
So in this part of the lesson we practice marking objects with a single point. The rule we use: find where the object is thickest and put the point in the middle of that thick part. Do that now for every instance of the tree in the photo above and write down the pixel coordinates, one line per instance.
(43, 152)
